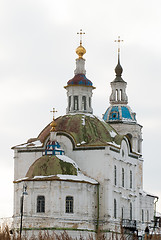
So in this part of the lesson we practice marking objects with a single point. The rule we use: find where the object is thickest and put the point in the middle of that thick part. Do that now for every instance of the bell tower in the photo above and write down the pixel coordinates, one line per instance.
(79, 88)
(119, 114)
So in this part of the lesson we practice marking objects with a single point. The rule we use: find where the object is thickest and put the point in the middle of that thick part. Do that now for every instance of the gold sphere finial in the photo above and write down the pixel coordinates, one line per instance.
(80, 51)
(53, 123)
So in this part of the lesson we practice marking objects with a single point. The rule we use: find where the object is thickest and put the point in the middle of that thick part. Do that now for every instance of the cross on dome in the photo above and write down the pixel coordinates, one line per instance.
(53, 111)
(119, 41)
(53, 123)
(80, 33)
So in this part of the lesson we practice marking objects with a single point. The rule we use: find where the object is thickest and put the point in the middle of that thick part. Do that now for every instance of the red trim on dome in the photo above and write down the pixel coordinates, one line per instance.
(80, 79)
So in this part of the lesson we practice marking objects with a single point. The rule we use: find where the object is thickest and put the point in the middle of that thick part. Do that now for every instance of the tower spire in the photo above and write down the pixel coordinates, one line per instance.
(118, 85)
(118, 69)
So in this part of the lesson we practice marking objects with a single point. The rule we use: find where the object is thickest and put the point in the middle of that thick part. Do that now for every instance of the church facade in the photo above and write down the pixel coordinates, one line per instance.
(84, 174)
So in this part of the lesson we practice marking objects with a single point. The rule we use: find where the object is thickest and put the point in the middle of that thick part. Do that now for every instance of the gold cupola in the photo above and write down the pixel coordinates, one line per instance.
(80, 51)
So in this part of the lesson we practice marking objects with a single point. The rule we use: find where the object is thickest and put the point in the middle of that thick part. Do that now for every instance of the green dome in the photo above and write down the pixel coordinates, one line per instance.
(52, 165)
(85, 130)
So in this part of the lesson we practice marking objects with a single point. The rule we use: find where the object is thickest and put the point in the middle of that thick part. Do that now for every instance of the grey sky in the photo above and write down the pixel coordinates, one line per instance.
(37, 57)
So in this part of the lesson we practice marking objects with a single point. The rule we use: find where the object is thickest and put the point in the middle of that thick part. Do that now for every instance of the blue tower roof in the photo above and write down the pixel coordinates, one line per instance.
(117, 113)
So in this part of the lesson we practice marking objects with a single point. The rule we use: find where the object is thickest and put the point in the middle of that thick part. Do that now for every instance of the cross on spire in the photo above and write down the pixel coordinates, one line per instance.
(118, 41)
(53, 111)
(80, 33)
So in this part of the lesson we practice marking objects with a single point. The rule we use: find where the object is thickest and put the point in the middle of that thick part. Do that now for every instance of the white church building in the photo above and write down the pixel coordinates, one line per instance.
(84, 174)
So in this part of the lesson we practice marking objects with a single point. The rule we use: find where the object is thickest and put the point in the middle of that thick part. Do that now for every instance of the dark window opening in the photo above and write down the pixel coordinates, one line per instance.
(130, 179)
(123, 177)
(69, 102)
(84, 104)
(122, 213)
(121, 95)
(115, 209)
(69, 204)
(142, 217)
(40, 204)
(76, 103)
(115, 175)
(89, 102)
(130, 211)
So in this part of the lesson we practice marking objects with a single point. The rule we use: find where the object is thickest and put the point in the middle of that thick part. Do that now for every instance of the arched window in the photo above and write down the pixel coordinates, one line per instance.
(123, 177)
(130, 179)
(117, 95)
(89, 102)
(129, 136)
(139, 145)
(115, 209)
(147, 216)
(76, 103)
(69, 204)
(40, 204)
(115, 175)
(142, 215)
(121, 95)
(69, 103)
(122, 213)
(84, 104)
(130, 211)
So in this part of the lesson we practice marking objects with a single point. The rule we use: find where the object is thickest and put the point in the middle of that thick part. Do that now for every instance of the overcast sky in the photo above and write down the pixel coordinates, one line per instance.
(37, 57)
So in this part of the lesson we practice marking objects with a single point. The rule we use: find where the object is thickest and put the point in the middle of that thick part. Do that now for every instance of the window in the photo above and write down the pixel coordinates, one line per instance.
(115, 209)
(89, 102)
(121, 95)
(130, 179)
(147, 216)
(75, 102)
(69, 102)
(123, 154)
(40, 204)
(117, 95)
(122, 213)
(130, 211)
(69, 204)
(142, 215)
(115, 175)
(84, 103)
(114, 115)
(123, 177)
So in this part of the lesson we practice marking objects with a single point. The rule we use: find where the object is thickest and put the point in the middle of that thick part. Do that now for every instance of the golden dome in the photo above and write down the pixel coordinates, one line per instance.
(53, 125)
(80, 51)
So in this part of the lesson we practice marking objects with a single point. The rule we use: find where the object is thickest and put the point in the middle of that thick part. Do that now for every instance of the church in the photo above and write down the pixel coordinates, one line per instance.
(84, 174)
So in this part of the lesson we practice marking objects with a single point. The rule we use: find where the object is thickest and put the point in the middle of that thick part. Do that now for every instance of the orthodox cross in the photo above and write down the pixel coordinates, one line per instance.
(80, 33)
(53, 111)
(118, 41)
